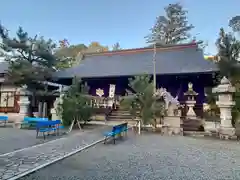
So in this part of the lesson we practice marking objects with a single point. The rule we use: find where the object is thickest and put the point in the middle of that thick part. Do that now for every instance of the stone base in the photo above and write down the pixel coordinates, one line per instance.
(172, 125)
(192, 117)
(167, 130)
(226, 133)
(210, 126)
(173, 121)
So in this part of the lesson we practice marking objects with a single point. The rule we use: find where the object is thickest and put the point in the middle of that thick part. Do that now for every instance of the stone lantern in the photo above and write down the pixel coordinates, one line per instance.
(225, 102)
(23, 105)
(191, 100)
(58, 101)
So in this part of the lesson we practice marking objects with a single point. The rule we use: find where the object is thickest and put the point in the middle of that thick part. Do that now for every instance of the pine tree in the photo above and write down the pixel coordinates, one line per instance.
(142, 103)
(234, 23)
(76, 104)
(173, 28)
(31, 60)
(228, 54)
(116, 47)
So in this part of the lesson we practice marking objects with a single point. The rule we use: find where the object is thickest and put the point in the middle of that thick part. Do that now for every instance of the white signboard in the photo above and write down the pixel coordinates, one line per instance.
(112, 90)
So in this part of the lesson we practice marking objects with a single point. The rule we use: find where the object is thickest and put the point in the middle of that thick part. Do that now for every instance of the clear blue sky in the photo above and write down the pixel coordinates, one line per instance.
(111, 21)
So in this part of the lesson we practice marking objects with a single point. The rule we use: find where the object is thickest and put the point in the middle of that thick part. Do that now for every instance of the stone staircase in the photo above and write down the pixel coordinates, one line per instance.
(119, 115)
(192, 125)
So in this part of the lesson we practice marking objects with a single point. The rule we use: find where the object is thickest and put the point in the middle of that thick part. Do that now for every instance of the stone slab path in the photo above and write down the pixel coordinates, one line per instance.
(17, 164)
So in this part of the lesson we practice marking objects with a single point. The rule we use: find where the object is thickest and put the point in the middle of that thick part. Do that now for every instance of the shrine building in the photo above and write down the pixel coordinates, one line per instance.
(176, 66)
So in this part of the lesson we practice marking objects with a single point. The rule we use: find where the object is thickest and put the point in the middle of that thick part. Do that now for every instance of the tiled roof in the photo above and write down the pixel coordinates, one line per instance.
(3, 67)
(171, 60)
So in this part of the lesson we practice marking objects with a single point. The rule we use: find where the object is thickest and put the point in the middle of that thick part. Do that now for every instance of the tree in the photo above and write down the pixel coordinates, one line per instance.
(228, 62)
(70, 51)
(96, 47)
(31, 60)
(173, 28)
(69, 55)
(142, 103)
(234, 23)
(228, 55)
(116, 47)
(76, 104)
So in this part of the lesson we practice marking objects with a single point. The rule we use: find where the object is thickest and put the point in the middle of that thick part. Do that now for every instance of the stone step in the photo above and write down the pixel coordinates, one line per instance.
(196, 134)
(120, 113)
(191, 125)
(120, 116)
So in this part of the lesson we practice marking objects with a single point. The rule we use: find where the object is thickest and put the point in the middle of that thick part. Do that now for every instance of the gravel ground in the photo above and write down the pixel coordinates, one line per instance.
(150, 157)
(12, 139)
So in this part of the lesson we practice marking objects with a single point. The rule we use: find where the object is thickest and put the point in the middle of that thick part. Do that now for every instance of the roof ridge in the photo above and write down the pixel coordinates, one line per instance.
(144, 49)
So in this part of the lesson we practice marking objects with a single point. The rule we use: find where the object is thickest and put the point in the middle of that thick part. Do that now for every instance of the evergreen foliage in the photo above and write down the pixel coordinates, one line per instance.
(172, 28)
(234, 23)
(228, 61)
(31, 60)
(70, 55)
(116, 47)
(74, 54)
(76, 103)
(142, 103)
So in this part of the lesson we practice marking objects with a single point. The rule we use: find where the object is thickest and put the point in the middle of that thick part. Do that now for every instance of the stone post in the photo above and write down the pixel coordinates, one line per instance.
(225, 103)
(23, 106)
(191, 94)
(40, 109)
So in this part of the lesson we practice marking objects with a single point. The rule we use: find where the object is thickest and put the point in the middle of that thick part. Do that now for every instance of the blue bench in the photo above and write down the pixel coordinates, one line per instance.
(32, 121)
(4, 119)
(116, 131)
(47, 127)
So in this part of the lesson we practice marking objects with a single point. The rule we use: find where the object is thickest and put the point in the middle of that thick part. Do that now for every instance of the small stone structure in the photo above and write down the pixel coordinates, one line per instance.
(191, 101)
(172, 121)
(23, 105)
(211, 126)
(54, 110)
(225, 103)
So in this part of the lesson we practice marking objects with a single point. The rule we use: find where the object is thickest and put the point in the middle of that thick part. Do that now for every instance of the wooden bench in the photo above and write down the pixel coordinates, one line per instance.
(116, 132)
(4, 119)
(31, 121)
(47, 127)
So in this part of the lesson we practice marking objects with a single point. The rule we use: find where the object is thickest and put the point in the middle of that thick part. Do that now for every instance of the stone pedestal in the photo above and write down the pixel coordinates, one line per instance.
(54, 114)
(210, 126)
(172, 125)
(225, 103)
(190, 104)
(110, 103)
(23, 106)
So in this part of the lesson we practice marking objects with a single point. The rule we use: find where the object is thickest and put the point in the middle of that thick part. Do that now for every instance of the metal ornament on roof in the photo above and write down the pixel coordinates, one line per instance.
(190, 91)
(99, 92)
